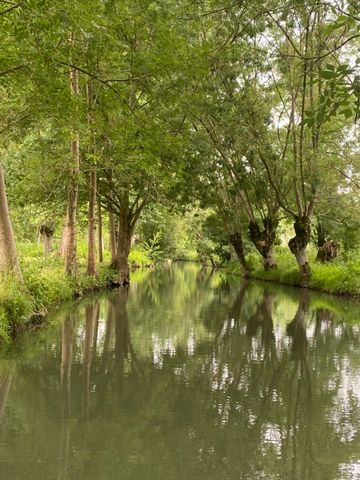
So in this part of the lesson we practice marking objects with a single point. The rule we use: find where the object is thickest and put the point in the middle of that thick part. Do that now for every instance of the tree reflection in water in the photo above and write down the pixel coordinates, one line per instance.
(187, 375)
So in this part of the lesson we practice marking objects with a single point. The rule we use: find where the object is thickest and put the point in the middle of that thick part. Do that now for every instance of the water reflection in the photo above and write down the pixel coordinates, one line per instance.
(190, 374)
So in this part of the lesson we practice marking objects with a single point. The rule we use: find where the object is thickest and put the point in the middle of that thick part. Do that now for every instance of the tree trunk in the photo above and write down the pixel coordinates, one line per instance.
(298, 246)
(70, 242)
(62, 246)
(47, 244)
(236, 241)
(8, 256)
(123, 249)
(112, 238)
(264, 241)
(100, 233)
(91, 257)
(47, 231)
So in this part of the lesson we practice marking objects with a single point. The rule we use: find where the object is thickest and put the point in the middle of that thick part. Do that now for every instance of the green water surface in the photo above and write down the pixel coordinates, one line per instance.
(190, 375)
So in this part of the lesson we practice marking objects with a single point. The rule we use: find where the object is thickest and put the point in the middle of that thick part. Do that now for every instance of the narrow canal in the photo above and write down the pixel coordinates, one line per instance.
(189, 375)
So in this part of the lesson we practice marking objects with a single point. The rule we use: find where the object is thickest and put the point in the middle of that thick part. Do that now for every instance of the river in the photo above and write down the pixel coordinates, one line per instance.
(191, 374)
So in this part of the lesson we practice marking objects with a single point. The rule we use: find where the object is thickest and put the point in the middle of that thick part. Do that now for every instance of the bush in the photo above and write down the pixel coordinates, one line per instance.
(139, 257)
(16, 304)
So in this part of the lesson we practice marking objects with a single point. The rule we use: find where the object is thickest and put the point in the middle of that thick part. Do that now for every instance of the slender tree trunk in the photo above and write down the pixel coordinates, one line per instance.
(91, 257)
(62, 246)
(100, 233)
(112, 238)
(123, 247)
(71, 220)
(298, 246)
(8, 256)
(263, 241)
(236, 241)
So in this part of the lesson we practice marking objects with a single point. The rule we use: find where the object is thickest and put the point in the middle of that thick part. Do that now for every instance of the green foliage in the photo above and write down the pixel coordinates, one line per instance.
(341, 276)
(16, 304)
(139, 257)
(45, 286)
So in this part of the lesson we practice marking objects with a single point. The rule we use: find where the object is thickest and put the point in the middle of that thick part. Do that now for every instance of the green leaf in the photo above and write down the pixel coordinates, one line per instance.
(327, 74)
(347, 113)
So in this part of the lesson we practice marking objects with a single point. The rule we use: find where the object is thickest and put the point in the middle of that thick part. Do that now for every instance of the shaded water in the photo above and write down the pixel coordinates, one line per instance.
(190, 375)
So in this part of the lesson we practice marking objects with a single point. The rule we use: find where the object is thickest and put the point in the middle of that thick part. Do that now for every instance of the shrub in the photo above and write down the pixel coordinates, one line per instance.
(16, 304)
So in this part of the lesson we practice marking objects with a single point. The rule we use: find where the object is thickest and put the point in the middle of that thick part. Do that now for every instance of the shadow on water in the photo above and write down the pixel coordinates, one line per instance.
(190, 374)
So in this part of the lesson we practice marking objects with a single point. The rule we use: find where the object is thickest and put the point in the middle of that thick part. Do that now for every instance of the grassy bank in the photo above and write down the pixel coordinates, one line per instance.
(46, 286)
(340, 277)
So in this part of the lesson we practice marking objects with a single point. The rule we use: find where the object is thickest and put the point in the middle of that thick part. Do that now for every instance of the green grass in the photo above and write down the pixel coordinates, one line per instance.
(341, 276)
(45, 286)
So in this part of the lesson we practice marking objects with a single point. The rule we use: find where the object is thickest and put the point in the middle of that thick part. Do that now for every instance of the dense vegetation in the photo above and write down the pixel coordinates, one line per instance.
(134, 132)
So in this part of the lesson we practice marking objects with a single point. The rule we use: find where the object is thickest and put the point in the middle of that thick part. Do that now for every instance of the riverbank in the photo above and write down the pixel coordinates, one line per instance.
(45, 286)
(339, 277)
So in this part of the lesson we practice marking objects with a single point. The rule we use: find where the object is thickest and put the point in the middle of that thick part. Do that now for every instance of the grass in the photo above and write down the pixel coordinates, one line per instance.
(341, 276)
(46, 286)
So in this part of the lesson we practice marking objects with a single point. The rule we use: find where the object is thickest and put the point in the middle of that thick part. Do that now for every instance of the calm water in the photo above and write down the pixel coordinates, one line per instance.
(190, 375)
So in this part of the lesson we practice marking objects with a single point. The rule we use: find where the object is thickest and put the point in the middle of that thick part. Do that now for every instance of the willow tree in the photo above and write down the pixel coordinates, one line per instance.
(227, 98)
(299, 168)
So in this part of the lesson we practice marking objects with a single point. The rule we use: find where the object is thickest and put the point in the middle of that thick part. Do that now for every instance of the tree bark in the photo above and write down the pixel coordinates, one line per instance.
(123, 248)
(47, 231)
(263, 241)
(236, 241)
(112, 238)
(62, 246)
(91, 256)
(8, 256)
(70, 241)
(298, 246)
(100, 233)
